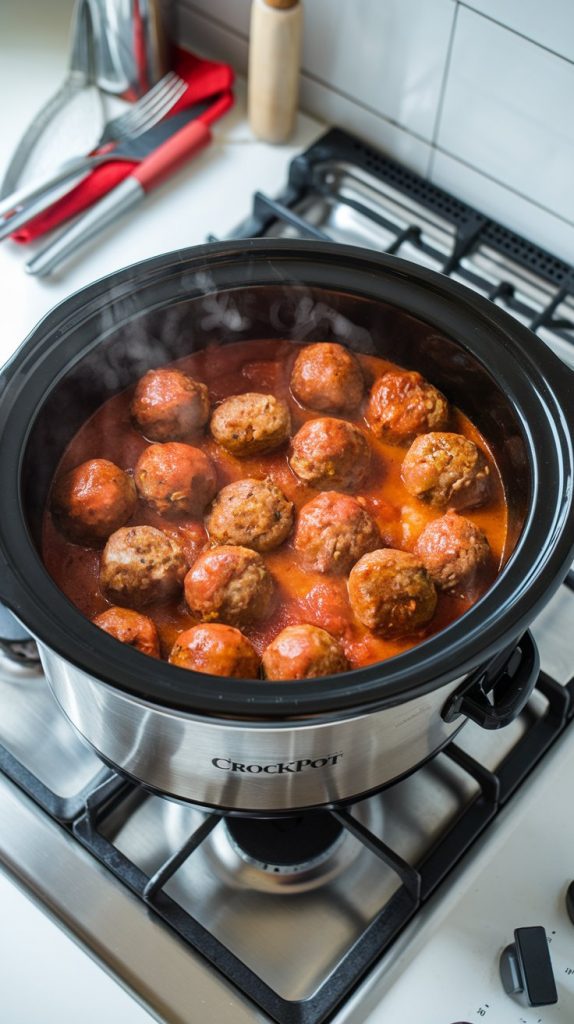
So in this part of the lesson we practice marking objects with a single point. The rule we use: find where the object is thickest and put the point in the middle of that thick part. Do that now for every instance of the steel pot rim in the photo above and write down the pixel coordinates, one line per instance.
(525, 584)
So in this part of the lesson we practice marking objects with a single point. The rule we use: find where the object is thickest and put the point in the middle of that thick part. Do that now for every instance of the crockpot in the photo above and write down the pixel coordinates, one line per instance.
(251, 746)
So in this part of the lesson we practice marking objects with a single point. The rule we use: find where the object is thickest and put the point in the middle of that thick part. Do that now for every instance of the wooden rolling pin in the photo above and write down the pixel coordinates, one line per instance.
(274, 58)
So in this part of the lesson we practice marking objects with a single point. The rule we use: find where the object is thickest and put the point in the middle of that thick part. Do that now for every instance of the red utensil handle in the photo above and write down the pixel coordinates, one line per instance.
(167, 158)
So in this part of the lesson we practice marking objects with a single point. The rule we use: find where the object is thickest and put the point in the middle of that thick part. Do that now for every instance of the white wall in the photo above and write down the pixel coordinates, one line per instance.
(477, 96)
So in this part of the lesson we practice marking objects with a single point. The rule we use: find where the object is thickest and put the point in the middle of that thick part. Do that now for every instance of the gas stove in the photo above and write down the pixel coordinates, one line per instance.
(398, 907)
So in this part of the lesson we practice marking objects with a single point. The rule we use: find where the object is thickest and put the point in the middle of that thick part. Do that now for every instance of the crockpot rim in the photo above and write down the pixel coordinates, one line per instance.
(375, 686)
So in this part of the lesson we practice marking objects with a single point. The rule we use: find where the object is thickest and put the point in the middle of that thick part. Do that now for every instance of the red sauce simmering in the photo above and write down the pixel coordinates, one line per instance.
(303, 596)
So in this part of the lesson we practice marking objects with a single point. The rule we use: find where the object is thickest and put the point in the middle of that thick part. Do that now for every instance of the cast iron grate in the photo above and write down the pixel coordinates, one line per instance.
(473, 231)
(418, 882)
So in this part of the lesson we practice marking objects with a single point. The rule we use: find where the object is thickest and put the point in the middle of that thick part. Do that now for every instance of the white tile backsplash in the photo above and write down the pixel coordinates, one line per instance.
(213, 37)
(549, 23)
(389, 55)
(508, 112)
(336, 108)
(232, 14)
(477, 94)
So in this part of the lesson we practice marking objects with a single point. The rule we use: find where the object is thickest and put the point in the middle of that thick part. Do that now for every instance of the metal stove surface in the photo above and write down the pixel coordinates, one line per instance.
(291, 929)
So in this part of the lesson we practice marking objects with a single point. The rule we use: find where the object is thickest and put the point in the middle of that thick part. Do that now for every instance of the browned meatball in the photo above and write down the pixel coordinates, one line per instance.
(333, 531)
(175, 479)
(454, 552)
(168, 405)
(330, 453)
(303, 652)
(446, 470)
(252, 513)
(93, 500)
(251, 423)
(402, 405)
(131, 628)
(229, 584)
(327, 377)
(216, 650)
(391, 593)
(141, 565)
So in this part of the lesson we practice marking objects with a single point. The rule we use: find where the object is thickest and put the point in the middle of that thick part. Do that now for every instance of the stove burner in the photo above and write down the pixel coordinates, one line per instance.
(285, 845)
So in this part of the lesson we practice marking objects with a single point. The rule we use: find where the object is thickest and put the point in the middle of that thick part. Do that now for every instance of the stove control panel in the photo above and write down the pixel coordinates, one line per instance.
(449, 966)
(525, 966)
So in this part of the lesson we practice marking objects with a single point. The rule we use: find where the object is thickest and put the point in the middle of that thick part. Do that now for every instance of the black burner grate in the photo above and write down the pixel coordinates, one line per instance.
(472, 230)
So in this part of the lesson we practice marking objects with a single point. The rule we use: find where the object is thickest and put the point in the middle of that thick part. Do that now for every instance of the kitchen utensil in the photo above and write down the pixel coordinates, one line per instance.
(274, 60)
(81, 75)
(163, 161)
(249, 745)
(204, 79)
(146, 113)
(150, 172)
(131, 44)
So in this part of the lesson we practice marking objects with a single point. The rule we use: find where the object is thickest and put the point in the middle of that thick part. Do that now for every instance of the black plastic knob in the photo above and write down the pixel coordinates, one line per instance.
(570, 901)
(525, 966)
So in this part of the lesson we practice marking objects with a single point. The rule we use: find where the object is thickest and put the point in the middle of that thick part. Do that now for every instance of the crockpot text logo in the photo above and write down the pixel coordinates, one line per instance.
(279, 768)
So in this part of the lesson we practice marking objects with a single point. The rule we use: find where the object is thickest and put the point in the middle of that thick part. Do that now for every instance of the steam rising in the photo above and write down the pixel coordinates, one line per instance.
(172, 316)
(306, 317)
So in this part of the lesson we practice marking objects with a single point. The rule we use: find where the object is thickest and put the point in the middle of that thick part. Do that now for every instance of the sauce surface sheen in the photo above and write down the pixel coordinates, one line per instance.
(303, 596)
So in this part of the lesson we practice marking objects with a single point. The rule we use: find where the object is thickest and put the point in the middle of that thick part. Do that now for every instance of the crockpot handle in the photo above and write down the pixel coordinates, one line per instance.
(497, 694)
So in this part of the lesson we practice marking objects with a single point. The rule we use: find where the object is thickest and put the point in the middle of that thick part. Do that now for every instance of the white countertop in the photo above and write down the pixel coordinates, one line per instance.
(44, 976)
(209, 196)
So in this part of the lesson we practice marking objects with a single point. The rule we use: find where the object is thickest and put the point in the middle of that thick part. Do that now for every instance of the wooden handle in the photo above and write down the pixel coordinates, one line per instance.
(274, 57)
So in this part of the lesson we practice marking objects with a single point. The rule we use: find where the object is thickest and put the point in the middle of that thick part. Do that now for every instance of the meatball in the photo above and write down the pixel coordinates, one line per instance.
(391, 593)
(175, 479)
(229, 584)
(93, 500)
(402, 404)
(327, 605)
(327, 377)
(251, 513)
(454, 552)
(216, 650)
(141, 565)
(446, 470)
(333, 531)
(168, 405)
(303, 652)
(330, 453)
(251, 423)
(131, 628)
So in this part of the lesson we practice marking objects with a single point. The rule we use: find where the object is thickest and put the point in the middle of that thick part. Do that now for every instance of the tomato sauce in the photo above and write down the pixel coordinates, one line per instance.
(303, 596)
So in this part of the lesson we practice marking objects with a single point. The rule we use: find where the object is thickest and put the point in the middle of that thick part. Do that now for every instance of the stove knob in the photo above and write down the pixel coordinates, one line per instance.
(525, 966)
(570, 901)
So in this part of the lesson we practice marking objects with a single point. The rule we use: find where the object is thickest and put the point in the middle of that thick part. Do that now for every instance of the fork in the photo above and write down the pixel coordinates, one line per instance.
(148, 110)
(142, 116)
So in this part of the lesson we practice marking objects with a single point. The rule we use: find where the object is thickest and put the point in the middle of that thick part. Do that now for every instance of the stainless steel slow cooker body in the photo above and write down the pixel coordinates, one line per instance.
(250, 746)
